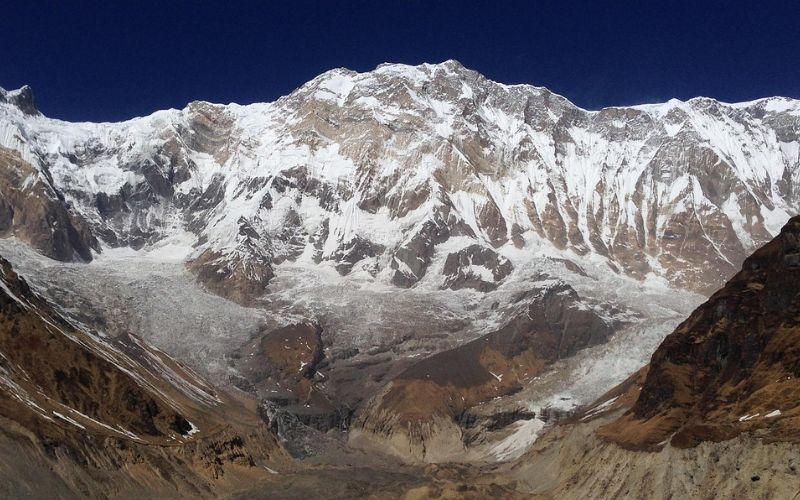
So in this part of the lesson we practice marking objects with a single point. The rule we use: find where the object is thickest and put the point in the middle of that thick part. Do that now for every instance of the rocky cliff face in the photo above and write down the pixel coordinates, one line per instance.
(34, 212)
(732, 367)
(21, 98)
(382, 173)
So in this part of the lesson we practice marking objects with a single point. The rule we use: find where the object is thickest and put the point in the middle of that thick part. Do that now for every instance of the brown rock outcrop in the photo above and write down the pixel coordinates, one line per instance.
(419, 410)
(33, 212)
(733, 366)
(459, 271)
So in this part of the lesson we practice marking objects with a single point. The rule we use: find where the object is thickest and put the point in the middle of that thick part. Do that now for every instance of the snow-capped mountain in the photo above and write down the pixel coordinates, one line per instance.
(415, 227)
(382, 174)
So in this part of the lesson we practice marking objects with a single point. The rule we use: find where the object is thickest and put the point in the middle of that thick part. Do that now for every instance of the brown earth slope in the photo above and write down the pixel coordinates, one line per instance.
(732, 366)
(714, 415)
(85, 415)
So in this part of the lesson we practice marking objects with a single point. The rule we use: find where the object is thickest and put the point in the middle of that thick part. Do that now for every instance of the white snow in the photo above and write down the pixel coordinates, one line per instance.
(779, 105)
(339, 85)
(194, 429)
(599, 408)
(273, 138)
(68, 419)
(481, 272)
(524, 433)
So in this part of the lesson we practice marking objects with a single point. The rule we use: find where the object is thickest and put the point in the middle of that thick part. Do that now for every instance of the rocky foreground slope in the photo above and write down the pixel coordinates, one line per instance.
(84, 414)
(733, 365)
(713, 415)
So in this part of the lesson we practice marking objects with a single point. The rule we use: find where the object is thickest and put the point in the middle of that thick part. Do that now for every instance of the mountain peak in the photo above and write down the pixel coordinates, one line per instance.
(21, 98)
(451, 63)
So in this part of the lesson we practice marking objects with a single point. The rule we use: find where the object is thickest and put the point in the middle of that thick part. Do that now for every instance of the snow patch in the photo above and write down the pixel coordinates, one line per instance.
(523, 436)
(68, 419)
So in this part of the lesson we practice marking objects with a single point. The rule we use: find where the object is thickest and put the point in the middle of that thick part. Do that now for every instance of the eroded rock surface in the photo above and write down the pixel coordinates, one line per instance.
(732, 367)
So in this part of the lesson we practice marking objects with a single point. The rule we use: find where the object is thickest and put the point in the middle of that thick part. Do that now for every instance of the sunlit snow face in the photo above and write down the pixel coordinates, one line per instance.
(372, 156)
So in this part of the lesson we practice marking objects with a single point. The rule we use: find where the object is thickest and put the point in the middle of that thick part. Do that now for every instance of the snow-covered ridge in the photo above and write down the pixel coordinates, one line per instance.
(371, 172)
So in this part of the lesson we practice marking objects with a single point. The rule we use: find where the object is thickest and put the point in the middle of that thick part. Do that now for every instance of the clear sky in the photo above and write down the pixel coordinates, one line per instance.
(104, 61)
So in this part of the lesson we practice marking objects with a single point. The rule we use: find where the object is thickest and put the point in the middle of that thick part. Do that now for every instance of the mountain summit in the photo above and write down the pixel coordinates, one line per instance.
(386, 173)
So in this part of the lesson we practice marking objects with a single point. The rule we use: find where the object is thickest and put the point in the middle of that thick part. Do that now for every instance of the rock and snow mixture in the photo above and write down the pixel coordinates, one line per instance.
(395, 205)
(378, 173)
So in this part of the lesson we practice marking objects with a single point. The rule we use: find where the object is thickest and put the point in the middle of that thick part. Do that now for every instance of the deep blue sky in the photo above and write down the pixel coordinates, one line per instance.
(102, 61)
